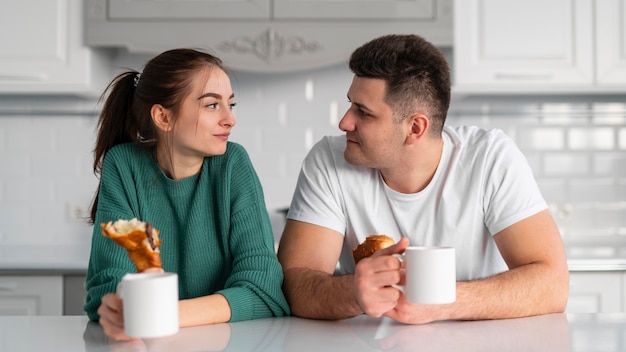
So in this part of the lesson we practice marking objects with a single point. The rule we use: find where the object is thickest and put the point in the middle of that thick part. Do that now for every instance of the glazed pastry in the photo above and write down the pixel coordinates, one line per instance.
(140, 240)
(371, 244)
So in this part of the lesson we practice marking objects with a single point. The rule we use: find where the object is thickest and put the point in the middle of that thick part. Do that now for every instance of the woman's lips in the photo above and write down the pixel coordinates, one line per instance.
(223, 136)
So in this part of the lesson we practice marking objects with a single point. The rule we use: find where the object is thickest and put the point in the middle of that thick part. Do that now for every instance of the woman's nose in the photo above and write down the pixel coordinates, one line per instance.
(229, 119)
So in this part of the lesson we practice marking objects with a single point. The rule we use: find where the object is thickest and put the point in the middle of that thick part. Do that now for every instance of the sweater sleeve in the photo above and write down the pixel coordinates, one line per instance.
(254, 288)
(108, 262)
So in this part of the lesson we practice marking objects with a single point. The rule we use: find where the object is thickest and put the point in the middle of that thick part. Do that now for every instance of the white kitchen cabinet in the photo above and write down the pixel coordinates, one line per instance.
(263, 35)
(611, 43)
(532, 46)
(43, 51)
(596, 292)
(31, 295)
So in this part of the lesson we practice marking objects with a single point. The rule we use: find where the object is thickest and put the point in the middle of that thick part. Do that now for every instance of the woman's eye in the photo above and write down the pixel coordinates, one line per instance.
(232, 105)
(211, 105)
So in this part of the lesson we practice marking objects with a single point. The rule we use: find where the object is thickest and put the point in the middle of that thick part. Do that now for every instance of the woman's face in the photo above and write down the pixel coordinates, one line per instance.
(205, 118)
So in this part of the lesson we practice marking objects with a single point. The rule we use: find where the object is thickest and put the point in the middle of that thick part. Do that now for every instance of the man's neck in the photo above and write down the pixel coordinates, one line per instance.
(417, 169)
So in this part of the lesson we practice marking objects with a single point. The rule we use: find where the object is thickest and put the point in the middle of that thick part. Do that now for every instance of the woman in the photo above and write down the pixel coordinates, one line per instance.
(163, 156)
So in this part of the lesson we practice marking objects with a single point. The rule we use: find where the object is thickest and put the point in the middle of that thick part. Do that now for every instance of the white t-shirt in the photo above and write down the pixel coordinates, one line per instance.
(482, 185)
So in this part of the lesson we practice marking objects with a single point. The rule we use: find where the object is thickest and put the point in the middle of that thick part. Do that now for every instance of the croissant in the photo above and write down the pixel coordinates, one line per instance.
(140, 240)
(371, 244)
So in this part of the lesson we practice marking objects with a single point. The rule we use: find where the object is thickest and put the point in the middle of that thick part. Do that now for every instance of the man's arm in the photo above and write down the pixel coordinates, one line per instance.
(537, 281)
(309, 254)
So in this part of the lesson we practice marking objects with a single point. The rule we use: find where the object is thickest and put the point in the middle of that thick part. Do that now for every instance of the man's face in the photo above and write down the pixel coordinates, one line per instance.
(374, 139)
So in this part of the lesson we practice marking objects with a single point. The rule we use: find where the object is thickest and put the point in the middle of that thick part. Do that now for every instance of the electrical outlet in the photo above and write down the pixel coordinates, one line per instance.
(77, 212)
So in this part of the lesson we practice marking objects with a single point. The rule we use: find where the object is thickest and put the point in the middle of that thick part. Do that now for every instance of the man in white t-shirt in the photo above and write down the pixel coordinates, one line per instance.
(398, 170)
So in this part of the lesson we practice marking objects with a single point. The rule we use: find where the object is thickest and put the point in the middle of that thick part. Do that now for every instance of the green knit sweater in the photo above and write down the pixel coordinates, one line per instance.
(214, 228)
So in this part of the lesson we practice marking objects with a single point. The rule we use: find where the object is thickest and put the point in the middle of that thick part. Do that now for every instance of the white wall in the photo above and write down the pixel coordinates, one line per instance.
(577, 148)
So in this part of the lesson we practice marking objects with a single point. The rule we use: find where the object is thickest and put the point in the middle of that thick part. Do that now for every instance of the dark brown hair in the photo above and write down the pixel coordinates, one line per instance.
(416, 73)
(166, 80)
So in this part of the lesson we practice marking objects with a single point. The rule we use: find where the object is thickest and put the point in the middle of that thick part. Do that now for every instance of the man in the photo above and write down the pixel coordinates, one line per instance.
(400, 171)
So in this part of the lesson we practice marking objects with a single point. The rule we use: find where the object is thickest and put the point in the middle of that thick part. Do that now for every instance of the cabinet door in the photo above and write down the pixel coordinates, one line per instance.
(351, 9)
(611, 42)
(597, 292)
(31, 295)
(188, 9)
(42, 49)
(517, 44)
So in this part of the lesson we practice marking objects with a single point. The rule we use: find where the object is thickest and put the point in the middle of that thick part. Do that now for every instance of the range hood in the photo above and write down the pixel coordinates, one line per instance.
(262, 35)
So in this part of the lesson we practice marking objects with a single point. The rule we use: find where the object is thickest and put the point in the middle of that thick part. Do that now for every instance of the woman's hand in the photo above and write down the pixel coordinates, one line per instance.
(111, 312)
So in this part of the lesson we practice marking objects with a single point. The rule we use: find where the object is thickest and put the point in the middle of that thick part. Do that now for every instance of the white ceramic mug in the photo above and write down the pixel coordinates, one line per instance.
(430, 275)
(150, 304)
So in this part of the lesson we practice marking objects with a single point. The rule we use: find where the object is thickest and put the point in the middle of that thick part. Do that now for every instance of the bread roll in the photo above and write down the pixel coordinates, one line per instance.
(140, 240)
(371, 244)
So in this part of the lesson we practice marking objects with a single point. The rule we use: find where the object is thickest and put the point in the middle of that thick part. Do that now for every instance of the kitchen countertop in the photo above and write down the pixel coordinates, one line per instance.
(550, 333)
(40, 259)
(74, 259)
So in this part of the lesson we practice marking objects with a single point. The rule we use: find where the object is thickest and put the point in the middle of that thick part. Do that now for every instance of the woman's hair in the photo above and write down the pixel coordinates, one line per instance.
(166, 80)
(416, 73)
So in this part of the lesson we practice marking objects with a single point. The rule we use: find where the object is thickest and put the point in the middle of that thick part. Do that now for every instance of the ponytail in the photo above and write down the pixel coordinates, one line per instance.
(116, 124)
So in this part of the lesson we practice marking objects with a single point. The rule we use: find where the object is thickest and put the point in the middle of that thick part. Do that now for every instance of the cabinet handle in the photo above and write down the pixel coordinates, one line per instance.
(8, 286)
(523, 76)
(23, 78)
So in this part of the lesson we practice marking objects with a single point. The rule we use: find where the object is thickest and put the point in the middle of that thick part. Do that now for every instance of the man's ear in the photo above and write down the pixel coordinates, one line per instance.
(418, 127)
(161, 117)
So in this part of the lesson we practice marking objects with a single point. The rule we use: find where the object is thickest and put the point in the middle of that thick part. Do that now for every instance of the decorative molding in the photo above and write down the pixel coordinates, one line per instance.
(269, 45)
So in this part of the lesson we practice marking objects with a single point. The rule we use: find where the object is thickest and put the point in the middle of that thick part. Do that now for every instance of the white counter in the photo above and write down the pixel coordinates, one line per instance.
(41, 259)
(550, 333)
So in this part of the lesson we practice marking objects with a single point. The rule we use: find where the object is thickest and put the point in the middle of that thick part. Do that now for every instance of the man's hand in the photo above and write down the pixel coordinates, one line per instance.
(374, 276)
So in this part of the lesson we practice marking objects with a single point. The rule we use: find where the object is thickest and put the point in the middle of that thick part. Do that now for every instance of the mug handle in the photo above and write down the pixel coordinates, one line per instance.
(401, 260)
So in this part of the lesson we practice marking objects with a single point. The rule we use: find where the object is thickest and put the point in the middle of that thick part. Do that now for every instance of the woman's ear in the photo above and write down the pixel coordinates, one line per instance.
(418, 127)
(161, 117)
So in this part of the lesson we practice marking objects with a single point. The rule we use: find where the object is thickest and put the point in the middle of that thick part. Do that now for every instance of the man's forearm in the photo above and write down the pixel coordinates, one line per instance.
(497, 297)
(319, 295)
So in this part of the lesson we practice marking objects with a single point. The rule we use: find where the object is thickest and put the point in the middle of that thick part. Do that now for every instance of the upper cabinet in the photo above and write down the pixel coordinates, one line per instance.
(611, 43)
(43, 50)
(263, 35)
(558, 46)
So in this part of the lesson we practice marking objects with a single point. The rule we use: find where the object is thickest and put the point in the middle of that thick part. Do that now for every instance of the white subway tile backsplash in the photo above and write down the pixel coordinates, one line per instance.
(278, 140)
(609, 119)
(592, 190)
(33, 138)
(541, 138)
(309, 91)
(577, 152)
(553, 189)
(15, 165)
(564, 120)
(57, 166)
(606, 164)
(282, 113)
(622, 138)
(612, 217)
(29, 191)
(333, 113)
(15, 222)
(599, 138)
(565, 164)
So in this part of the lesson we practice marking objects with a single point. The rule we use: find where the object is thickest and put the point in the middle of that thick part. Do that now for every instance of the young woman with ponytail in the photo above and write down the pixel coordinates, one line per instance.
(162, 155)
